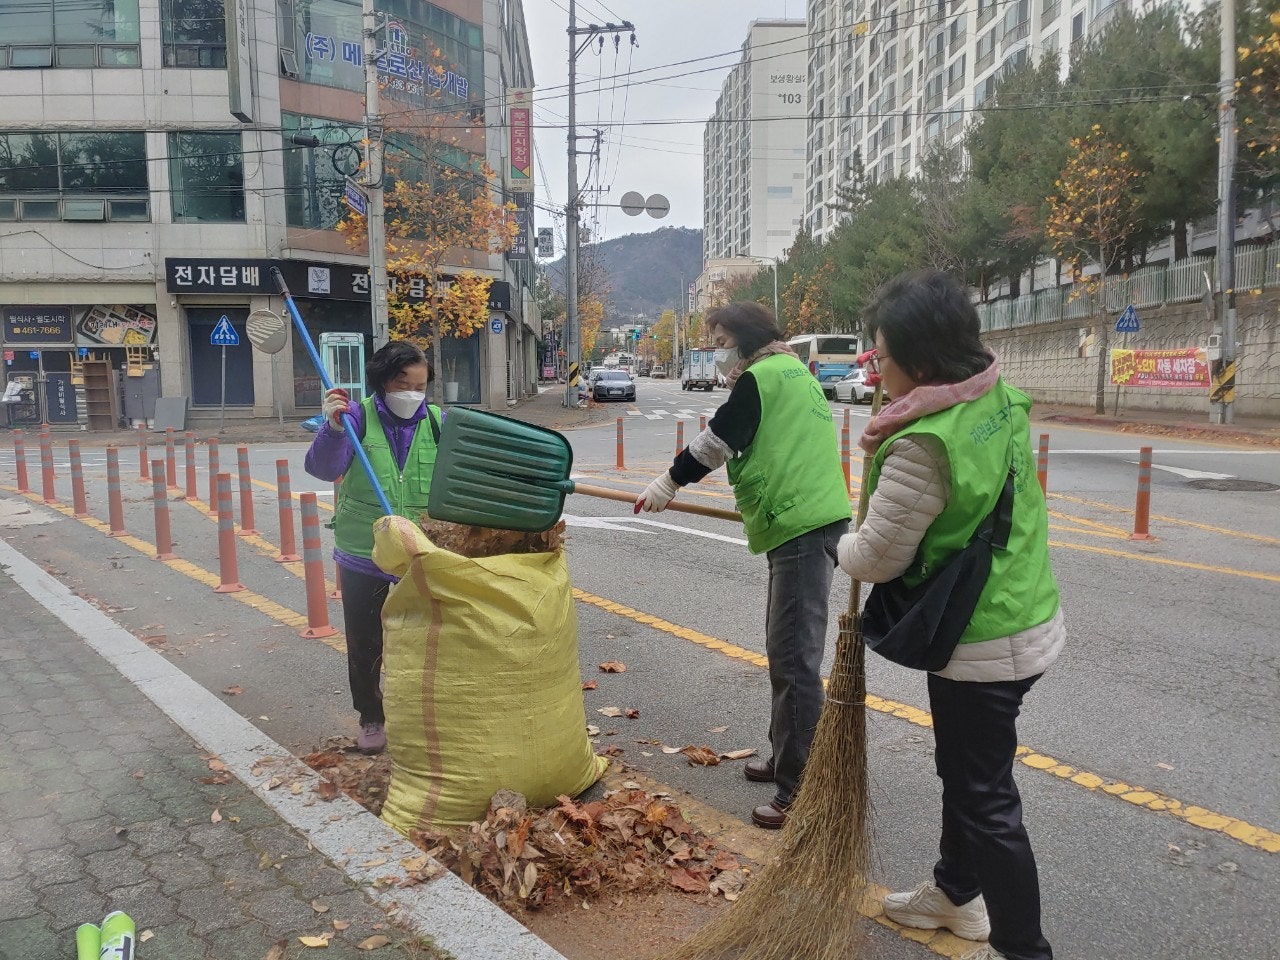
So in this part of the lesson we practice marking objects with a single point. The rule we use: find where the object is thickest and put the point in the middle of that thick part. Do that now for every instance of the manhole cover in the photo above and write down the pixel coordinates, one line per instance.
(1232, 485)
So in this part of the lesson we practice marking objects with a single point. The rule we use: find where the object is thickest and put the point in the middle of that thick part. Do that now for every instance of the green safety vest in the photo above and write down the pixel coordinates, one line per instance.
(980, 437)
(358, 507)
(789, 480)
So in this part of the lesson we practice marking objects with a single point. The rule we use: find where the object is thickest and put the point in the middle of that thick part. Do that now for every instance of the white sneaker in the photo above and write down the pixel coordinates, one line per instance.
(986, 952)
(928, 908)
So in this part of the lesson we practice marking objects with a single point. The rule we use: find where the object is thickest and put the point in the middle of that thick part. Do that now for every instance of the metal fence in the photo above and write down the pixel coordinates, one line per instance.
(1182, 282)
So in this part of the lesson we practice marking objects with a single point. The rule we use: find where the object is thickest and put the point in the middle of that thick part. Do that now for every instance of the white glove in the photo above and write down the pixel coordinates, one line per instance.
(657, 495)
(844, 552)
(336, 403)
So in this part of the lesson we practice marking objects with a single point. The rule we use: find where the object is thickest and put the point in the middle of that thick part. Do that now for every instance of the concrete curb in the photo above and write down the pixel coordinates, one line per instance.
(455, 917)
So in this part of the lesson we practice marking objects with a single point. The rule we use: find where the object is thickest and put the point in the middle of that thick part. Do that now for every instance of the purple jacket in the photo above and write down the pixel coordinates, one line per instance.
(331, 455)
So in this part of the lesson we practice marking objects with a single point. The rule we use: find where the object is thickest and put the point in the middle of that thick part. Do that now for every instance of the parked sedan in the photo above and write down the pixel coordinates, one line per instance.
(614, 385)
(854, 388)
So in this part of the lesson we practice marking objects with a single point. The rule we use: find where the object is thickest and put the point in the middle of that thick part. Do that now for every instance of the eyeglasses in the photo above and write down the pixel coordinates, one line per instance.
(873, 361)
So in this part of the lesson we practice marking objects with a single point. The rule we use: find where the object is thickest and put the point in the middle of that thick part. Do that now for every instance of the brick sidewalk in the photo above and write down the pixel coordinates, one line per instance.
(101, 808)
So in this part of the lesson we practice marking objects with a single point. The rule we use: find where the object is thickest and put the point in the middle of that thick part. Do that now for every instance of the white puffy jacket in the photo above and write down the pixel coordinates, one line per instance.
(913, 489)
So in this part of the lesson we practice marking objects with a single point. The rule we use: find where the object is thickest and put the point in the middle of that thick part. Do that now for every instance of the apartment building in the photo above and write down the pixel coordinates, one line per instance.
(155, 163)
(890, 78)
(753, 147)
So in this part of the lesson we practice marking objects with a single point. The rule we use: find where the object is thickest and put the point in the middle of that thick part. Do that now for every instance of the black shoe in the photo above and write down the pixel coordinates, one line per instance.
(759, 770)
(770, 816)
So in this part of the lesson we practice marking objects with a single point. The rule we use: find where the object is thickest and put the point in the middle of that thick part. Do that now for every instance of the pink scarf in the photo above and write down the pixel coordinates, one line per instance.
(768, 350)
(922, 401)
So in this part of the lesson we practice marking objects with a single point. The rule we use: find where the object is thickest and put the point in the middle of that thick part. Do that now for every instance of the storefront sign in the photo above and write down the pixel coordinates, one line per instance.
(118, 325)
(521, 246)
(344, 281)
(400, 69)
(40, 324)
(1187, 368)
(60, 398)
(520, 140)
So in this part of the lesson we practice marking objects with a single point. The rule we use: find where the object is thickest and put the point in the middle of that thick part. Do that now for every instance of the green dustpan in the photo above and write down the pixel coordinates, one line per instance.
(493, 471)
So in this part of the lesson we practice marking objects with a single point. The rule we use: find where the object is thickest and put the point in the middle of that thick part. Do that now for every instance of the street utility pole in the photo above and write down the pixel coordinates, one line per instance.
(1225, 375)
(373, 179)
(573, 207)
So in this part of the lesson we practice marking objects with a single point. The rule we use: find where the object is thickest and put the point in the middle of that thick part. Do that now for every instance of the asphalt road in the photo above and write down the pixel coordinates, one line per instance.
(1166, 693)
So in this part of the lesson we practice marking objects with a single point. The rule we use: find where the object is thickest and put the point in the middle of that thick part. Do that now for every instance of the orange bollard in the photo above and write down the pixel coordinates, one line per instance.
(1142, 511)
(1042, 464)
(845, 455)
(622, 465)
(284, 496)
(213, 476)
(160, 499)
(144, 466)
(46, 468)
(115, 505)
(702, 423)
(170, 460)
(20, 460)
(189, 450)
(679, 436)
(846, 418)
(317, 607)
(246, 493)
(228, 570)
(77, 480)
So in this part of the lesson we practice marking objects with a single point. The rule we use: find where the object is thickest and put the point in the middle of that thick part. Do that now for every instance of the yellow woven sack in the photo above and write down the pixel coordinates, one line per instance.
(482, 687)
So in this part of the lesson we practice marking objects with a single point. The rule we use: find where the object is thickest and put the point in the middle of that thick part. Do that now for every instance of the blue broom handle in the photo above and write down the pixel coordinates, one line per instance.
(301, 327)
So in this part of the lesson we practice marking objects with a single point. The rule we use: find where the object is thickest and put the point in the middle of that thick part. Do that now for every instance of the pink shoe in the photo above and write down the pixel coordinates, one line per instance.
(373, 738)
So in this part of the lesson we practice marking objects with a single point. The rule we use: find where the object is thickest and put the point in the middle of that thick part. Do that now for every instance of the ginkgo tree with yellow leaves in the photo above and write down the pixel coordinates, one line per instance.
(439, 216)
(1259, 91)
(1092, 219)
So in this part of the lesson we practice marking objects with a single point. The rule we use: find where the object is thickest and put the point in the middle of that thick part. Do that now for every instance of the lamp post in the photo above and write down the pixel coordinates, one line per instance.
(774, 261)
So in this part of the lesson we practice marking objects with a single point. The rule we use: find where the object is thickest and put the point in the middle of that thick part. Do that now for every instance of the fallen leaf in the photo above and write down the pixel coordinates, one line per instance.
(264, 861)
(327, 789)
(738, 754)
(216, 764)
(592, 730)
(373, 943)
(589, 684)
(319, 907)
(728, 884)
(717, 729)
(374, 863)
(613, 666)
(137, 774)
(701, 756)
(321, 942)
(155, 640)
(341, 925)
(610, 711)
(215, 817)
(277, 950)
(145, 935)
(217, 779)
(667, 749)
(612, 750)
(295, 788)
(682, 879)
(1164, 766)
(264, 718)
(121, 831)
(274, 782)
(233, 691)
(608, 636)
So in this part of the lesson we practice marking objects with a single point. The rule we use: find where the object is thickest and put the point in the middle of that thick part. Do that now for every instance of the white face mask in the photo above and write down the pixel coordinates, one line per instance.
(404, 403)
(726, 360)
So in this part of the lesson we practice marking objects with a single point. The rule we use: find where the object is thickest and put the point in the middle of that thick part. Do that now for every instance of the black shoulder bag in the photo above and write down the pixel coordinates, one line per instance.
(919, 627)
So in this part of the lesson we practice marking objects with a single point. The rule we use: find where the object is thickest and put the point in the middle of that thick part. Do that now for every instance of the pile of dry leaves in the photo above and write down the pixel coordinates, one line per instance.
(343, 768)
(631, 840)
(470, 541)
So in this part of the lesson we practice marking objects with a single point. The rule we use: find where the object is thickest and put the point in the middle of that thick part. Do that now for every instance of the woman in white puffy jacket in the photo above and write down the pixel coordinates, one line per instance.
(941, 451)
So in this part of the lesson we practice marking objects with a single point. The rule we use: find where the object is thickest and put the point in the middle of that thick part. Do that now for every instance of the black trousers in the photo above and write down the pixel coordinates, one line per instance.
(984, 847)
(362, 599)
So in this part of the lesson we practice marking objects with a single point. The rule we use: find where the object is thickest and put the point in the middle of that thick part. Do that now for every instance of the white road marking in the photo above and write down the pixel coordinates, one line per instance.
(1190, 474)
(1164, 453)
(689, 530)
(599, 523)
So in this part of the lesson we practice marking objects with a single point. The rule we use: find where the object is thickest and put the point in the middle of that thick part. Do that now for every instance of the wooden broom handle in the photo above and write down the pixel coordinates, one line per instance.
(623, 497)
(864, 496)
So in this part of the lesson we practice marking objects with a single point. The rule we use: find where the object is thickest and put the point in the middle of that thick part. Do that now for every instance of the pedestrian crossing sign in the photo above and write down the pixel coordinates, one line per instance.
(1128, 322)
(224, 334)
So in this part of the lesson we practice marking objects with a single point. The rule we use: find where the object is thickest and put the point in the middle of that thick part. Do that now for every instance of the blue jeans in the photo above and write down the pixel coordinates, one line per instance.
(800, 573)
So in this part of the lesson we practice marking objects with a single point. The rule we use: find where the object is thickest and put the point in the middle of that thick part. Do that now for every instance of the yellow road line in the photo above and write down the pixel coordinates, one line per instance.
(267, 607)
(1165, 561)
(1209, 528)
(1104, 527)
(1237, 829)
(1085, 531)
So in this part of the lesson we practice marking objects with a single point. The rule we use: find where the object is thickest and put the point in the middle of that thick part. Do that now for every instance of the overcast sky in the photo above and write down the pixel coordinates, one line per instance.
(648, 158)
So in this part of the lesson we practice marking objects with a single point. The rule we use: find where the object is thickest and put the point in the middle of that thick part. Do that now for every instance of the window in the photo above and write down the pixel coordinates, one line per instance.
(315, 177)
(1077, 27)
(73, 176)
(69, 33)
(206, 177)
(195, 33)
(985, 52)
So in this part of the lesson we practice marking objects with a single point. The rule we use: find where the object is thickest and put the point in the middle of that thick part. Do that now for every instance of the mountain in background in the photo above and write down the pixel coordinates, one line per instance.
(643, 270)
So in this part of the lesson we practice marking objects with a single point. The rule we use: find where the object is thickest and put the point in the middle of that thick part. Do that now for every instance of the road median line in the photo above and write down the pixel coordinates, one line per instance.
(1254, 836)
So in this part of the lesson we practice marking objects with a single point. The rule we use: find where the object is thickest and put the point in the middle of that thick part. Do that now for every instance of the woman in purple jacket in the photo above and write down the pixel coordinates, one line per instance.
(399, 432)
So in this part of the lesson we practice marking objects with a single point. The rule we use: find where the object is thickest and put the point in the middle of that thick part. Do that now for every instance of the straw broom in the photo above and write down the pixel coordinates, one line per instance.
(805, 901)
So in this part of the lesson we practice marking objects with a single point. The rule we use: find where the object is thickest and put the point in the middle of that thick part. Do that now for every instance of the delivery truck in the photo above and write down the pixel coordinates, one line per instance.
(699, 370)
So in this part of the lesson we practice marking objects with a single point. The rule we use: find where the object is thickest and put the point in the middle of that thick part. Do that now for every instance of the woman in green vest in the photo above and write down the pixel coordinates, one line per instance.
(399, 431)
(777, 436)
(942, 450)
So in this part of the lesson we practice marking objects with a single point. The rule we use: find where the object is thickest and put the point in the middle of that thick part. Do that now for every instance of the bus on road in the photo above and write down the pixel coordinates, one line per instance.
(830, 357)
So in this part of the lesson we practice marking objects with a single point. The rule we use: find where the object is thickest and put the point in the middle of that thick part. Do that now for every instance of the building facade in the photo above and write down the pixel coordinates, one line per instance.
(154, 167)
(753, 147)
(889, 79)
